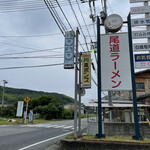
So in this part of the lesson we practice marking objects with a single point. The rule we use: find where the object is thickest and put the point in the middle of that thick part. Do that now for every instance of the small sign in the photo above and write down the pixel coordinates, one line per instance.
(142, 61)
(69, 50)
(27, 99)
(140, 34)
(31, 116)
(141, 47)
(19, 108)
(86, 70)
(140, 22)
(136, 1)
(140, 10)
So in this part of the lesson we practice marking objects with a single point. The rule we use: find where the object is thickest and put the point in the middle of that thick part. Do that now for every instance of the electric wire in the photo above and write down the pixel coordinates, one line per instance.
(54, 17)
(64, 14)
(110, 7)
(57, 16)
(84, 20)
(36, 66)
(29, 52)
(35, 51)
(6, 6)
(45, 56)
(78, 23)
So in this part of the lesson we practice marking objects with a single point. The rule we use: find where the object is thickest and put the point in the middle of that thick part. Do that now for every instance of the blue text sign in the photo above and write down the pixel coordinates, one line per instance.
(69, 50)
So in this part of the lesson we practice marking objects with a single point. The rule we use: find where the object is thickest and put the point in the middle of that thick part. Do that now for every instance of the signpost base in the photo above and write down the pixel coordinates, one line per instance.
(98, 136)
(137, 137)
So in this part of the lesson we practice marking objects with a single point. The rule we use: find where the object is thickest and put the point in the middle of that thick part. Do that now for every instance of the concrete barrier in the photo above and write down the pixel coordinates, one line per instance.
(101, 145)
(119, 129)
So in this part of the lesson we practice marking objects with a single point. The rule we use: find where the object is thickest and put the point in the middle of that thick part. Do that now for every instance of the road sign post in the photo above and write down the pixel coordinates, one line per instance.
(99, 135)
(26, 99)
(76, 84)
(136, 121)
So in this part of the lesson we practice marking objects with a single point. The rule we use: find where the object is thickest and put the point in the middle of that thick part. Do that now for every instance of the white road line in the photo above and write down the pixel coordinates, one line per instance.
(5, 125)
(67, 127)
(49, 126)
(59, 126)
(44, 141)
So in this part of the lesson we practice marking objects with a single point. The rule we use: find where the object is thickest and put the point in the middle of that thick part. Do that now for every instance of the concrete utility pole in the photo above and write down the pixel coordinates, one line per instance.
(76, 86)
(79, 124)
(4, 82)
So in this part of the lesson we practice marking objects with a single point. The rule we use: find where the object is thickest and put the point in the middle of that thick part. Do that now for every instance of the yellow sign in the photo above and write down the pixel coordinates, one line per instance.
(148, 121)
(86, 70)
(26, 99)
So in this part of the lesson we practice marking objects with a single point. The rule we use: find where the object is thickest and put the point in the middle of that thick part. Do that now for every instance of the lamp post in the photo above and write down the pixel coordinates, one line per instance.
(4, 82)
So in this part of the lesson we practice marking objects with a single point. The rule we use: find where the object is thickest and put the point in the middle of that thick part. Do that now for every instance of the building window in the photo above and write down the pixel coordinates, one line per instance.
(140, 86)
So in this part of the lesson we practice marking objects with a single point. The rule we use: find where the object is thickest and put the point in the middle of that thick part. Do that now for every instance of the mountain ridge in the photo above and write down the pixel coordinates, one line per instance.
(13, 95)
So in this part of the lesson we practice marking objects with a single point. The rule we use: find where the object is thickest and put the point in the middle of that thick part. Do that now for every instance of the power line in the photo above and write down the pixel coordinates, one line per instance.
(6, 6)
(83, 19)
(31, 57)
(40, 35)
(42, 50)
(57, 22)
(37, 66)
(53, 49)
(28, 36)
(78, 24)
(64, 14)
(57, 16)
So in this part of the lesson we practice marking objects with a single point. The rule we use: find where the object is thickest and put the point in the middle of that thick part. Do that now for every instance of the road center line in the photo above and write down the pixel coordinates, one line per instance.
(44, 141)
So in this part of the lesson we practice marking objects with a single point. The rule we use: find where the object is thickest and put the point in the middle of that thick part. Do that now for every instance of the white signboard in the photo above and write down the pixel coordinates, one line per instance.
(140, 34)
(141, 47)
(19, 108)
(142, 61)
(115, 62)
(69, 50)
(140, 10)
(136, 1)
(140, 22)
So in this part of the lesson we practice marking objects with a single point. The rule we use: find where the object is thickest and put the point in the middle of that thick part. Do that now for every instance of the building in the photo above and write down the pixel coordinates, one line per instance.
(120, 111)
(142, 80)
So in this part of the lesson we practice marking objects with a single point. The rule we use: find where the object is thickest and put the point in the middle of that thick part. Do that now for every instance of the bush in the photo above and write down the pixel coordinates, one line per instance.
(68, 114)
(9, 111)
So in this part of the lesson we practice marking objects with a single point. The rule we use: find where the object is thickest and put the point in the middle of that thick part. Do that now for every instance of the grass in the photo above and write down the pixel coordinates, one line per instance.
(4, 121)
(116, 138)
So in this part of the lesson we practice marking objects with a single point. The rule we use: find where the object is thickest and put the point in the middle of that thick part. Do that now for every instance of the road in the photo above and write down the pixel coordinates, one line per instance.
(34, 137)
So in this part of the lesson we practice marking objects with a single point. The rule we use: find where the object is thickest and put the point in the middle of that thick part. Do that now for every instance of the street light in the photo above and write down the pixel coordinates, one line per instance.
(4, 82)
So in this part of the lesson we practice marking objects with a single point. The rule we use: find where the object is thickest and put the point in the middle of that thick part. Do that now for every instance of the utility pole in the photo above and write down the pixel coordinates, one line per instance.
(79, 124)
(4, 82)
(76, 86)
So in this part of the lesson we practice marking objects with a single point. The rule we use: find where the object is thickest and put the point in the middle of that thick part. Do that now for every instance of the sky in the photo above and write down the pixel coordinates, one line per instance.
(23, 30)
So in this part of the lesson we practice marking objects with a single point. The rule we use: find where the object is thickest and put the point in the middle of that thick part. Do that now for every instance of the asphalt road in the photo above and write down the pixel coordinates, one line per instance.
(34, 137)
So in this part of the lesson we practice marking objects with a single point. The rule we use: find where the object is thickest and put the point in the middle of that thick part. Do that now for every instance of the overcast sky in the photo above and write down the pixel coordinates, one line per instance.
(40, 22)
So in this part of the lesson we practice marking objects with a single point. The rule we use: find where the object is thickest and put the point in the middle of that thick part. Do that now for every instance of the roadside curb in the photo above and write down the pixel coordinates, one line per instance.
(101, 145)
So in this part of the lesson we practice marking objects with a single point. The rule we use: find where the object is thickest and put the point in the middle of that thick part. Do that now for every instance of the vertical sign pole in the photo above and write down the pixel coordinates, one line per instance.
(99, 135)
(76, 80)
(136, 121)
(26, 113)
(79, 126)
